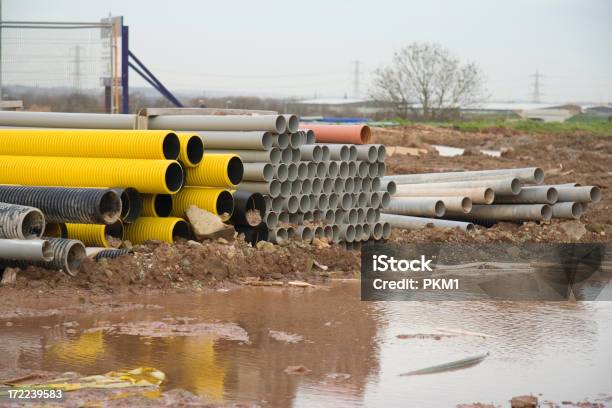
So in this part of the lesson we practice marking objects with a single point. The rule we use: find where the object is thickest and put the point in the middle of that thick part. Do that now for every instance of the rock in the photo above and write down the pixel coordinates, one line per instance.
(9, 324)
(596, 228)
(297, 369)
(127, 245)
(319, 243)
(575, 230)
(204, 223)
(186, 262)
(277, 275)
(524, 401)
(222, 240)
(194, 243)
(265, 246)
(9, 276)
(507, 152)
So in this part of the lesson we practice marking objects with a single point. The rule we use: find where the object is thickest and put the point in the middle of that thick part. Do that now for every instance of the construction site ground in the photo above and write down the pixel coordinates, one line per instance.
(212, 266)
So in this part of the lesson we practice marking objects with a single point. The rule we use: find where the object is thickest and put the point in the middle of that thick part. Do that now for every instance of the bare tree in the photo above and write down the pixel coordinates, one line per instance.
(427, 78)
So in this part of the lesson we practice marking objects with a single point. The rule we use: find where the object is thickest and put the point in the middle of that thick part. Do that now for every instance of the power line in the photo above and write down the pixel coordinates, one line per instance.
(356, 80)
(536, 96)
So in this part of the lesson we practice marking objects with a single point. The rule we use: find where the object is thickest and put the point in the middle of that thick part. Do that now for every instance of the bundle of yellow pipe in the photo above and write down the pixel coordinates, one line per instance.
(127, 144)
(96, 235)
(161, 229)
(156, 205)
(147, 176)
(215, 200)
(192, 149)
(216, 170)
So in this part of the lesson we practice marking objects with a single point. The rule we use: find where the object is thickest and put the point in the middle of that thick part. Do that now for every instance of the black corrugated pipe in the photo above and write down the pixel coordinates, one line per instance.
(131, 204)
(253, 235)
(20, 221)
(245, 201)
(68, 254)
(74, 205)
(113, 253)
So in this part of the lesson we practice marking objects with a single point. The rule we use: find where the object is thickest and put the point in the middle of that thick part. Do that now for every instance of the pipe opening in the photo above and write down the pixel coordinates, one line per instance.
(225, 203)
(282, 172)
(171, 146)
(352, 152)
(295, 140)
(352, 169)
(538, 175)
(372, 153)
(181, 230)
(546, 212)
(347, 201)
(285, 188)
(302, 169)
(385, 199)
(345, 154)
(293, 124)
(304, 204)
(286, 155)
(268, 172)
(33, 224)
(515, 186)
(47, 251)
(489, 195)
(365, 134)
(296, 155)
(195, 150)
(349, 185)
(362, 199)
(110, 207)
(306, 186)
(174, 177)
(283, 217)
(595, 194)
(113, 234)
(256, 202)
(381, 153)
(317, 153)
(267, 140)
(333, 169)
(280, 124)
(381, 169)
(344, 169)
(350, 233)
(275, 155)
(293, 203)
(55, 230)
(377, 231)
(282, 140)
(131, 204)
(439, 208)
(576, 210)
(317, 185)
(74, 258)
(312, 169)
(386, 232)
(370, 215)
(277, 204)
(363, 169)
(271, 220)
(281, 235)
(326, 152)
(552, 195)
(375, 200)
(235, 170)
(466, 205)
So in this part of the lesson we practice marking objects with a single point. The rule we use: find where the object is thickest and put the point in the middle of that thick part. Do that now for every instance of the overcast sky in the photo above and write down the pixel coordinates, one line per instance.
(309, 47)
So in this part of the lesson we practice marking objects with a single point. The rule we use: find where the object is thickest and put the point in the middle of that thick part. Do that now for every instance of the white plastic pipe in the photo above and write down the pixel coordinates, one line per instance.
(33, 250)
(429, 207)
(567, 210)
(503, 186)
(531, 195)
(413, 223)
(238, 140)
(250, 156)
(258, 172)
(533, 175)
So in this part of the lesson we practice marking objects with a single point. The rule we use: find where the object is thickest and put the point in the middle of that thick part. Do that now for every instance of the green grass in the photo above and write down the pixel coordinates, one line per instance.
(596, 127)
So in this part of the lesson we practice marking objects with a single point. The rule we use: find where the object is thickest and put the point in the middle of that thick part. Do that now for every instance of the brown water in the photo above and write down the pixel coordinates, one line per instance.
(563, 350)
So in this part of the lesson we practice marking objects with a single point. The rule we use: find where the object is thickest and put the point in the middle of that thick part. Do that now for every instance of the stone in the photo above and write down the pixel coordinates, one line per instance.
(574, 230)
(9, 276)
(207, 225)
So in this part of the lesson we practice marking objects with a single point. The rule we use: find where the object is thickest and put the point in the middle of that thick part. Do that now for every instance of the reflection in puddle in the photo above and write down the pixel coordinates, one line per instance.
(351, 348)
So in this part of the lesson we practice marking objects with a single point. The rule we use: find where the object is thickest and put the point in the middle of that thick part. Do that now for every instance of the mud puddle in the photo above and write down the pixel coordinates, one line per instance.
(324, 347)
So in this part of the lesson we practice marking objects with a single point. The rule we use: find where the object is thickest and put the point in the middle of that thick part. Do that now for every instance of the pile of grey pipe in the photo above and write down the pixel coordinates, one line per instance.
(312, 190)
(22, 243)
(462, 199)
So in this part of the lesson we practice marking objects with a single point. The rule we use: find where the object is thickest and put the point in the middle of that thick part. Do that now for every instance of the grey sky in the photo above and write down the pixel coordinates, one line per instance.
(302, 48)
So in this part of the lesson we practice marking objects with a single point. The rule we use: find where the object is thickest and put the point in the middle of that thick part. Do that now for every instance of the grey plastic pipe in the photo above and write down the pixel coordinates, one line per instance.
(283, 217)
(352, 166)
(326, 153)
(511, 212)
(336, 233)
(361, 215)
(319, 232)
(349, 185)
(386, 230)
(358, 184)
(584, 194)
(68, 254)
(503, 186)
(366, 184)
(362, 199)
(351, 216)
(413, 223)
(305, 233)
(281, 141)
(381, 151)
(328, 232)
(338, 152)
(371, 215)
(381, 168)
(271, 123)
(310, 136)
(312, 152)
(303, 203)
(281, 172)
(372, 170)
(391, 187)
(478, 195)
(293, 123)
(291, 204)
(363, 169)
(295, 140)
(531, 195)
(367, 231)
(322, 201)
(377, 228)
(429, 207)
(567, 210)
(273, 188)
(67, 120)
(291, 232)
(268, 202)
(332, 200)
(296, 187)
(374, 200)
(296, 218)
(292, 171)
(271, 219)
(376, 184)
(238, 140)
(321, 170)
(343, 169)
(25, 250)
(312, 169)
(258, 172)
(368, 152)
(347, 232)
(278, 235)
(458, 205)
(385, 199)
(20, 221)
(345, 201)
(358, 233)
(302, 170)
(338, 185)
(286, 155)
(333, 169)
(286, 188)
(317, 185)
(306, 186)
(308, 216)
(352, 152)
(533, 175)
(296, 155)
(273, 155)
(277, 204)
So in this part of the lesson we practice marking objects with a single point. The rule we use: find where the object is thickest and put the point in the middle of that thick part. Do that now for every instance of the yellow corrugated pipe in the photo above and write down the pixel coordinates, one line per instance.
(192, 149)
(215, 200)
(156, 205)
(95, 235)
(161, 229)
(147, 176)
(216, 170)
(128, 144)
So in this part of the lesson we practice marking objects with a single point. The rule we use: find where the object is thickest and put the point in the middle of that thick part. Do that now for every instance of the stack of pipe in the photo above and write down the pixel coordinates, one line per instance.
(462, 199)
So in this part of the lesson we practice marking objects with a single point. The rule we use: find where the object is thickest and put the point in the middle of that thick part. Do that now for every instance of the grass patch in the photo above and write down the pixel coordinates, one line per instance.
(575, 125)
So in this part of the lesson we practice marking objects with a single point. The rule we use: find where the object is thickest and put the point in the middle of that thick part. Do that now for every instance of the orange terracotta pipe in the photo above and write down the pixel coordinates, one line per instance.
(355, 134)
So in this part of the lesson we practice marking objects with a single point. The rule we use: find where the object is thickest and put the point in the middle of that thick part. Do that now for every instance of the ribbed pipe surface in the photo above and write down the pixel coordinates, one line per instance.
(216, 170)
(148, 176)
(107, 236)
(58, 204)
(131, 204)
(112, 253)
(21, 222)
(126, 144)
(68, 254)
(215, 200)
(160, 229)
